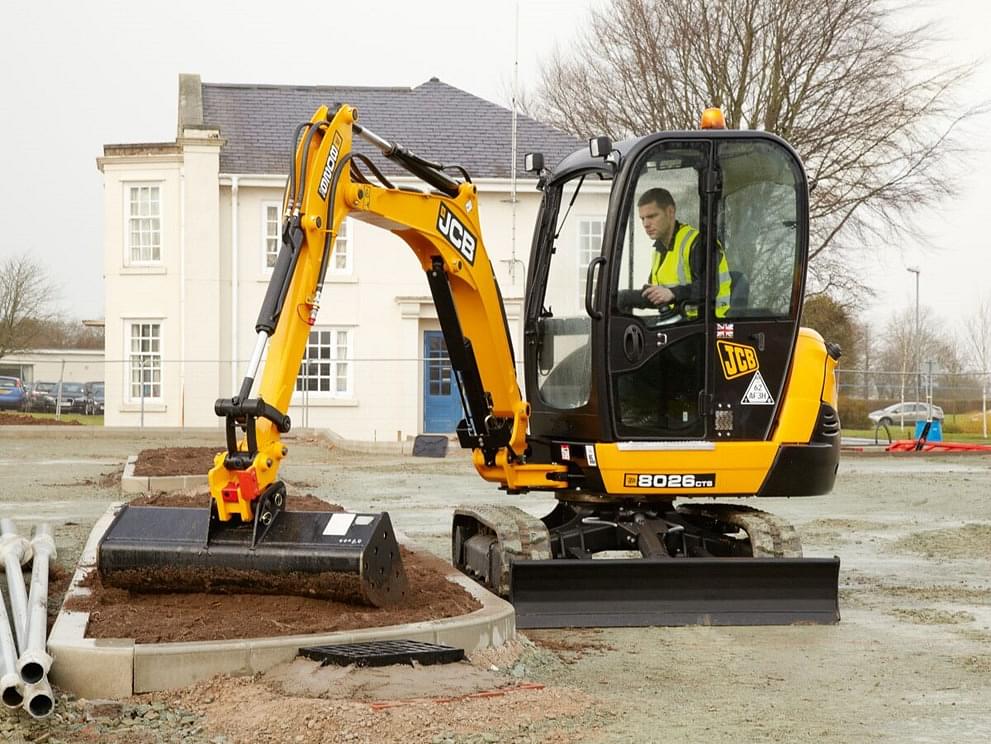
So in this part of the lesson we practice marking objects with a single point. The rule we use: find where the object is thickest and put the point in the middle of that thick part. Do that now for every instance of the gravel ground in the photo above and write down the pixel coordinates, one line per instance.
(909, 662)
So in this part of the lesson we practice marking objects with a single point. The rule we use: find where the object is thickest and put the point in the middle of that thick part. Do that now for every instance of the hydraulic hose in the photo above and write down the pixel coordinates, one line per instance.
(419, 167)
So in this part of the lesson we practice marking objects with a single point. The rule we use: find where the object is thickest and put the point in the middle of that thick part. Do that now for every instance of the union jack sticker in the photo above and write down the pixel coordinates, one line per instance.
(724, 330)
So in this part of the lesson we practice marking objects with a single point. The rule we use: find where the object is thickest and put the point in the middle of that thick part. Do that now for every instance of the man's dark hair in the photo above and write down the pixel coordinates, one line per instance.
(660, 197)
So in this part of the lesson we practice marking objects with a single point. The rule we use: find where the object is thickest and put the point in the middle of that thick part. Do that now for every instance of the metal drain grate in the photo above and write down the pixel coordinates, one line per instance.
(383, 653)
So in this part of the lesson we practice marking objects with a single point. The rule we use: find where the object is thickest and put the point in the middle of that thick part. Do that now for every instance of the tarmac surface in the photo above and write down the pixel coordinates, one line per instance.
(909, 662)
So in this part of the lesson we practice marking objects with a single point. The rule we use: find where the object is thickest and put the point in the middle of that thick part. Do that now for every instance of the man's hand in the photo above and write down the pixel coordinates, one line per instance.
(658, 294)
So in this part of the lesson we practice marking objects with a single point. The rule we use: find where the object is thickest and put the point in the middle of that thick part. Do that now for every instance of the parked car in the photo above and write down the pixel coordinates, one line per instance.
(94, 398)
(73, 397)
(909, 412)
(11, 393)
(41, 397)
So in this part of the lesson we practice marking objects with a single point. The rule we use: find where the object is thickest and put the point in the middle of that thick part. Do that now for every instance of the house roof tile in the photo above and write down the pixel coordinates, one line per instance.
(435, 120)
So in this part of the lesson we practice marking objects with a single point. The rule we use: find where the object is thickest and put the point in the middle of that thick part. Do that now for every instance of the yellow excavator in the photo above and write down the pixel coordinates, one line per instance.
(631, 406)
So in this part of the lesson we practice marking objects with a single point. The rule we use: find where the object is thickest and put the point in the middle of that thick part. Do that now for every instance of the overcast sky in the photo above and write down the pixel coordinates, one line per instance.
(78, 75)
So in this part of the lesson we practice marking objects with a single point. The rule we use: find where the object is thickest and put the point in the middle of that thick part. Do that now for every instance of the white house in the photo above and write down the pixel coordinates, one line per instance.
(192, 230)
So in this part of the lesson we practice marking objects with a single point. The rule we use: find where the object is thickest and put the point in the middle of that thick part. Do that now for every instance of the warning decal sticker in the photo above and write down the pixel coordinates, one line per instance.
(757, 393)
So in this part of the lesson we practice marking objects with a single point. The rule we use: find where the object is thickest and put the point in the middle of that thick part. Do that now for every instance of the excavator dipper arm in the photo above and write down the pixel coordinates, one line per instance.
(442, 228)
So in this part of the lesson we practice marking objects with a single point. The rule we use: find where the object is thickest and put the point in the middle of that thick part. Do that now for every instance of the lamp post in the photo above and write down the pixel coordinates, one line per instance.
(916, 270)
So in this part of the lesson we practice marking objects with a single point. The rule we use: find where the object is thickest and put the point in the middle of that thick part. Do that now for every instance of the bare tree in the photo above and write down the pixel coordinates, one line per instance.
(861, 100)
(908, 349)
(977, 334)
(25, 297)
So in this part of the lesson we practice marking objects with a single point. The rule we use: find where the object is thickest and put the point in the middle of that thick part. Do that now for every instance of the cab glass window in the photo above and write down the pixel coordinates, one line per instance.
(671, 168)
(758, 223)
(564, 363)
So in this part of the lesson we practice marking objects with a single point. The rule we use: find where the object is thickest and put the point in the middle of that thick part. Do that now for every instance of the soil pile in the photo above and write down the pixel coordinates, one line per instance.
(21, 419)
(160, 618)
(176, 461)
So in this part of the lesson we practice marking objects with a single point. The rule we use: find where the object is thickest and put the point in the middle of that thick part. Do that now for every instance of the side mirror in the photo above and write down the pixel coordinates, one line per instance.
(599, 147)
(533, 162)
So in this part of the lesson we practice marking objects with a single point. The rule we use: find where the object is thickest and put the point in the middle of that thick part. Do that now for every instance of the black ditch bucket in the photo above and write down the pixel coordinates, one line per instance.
(347, 557)
(695, 591)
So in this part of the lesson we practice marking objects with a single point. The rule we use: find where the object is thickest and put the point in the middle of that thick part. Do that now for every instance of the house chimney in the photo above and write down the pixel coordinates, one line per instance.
(190, 102)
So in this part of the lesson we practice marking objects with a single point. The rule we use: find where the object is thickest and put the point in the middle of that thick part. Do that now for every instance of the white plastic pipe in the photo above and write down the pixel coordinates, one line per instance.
(15, 551)
(39, 700)
(34, 662)
(11, 687)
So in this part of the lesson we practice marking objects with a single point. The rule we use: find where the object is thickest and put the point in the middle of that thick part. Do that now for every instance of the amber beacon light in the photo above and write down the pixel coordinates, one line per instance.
(712, 118)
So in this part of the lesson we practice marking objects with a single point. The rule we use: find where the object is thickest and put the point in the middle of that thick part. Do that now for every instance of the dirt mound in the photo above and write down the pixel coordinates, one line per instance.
(160, 618)
(22, 419)
(176, 461)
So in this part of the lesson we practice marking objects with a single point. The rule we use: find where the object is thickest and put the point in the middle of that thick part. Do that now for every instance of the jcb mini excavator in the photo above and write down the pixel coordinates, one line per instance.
(631, 406)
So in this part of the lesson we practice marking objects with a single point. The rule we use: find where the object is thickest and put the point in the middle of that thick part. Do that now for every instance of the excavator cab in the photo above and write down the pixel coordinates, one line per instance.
(608, 366)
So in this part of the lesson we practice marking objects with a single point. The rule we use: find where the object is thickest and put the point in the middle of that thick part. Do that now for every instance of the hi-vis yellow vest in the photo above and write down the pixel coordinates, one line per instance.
(677, 269)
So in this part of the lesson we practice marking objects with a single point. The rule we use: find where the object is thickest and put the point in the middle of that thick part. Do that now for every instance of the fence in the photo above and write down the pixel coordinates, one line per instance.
(961, 395)
(382, 399)
(371, 399)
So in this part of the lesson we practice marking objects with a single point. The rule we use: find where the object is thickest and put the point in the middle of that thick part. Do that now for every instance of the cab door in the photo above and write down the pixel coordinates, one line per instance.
(659, 354)
(711, 367)
(762, 220)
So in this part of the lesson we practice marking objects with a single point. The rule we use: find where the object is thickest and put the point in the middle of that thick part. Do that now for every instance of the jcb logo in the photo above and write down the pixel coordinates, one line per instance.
(737, 359)
(456, 233)
(669, 480)
(328, 170)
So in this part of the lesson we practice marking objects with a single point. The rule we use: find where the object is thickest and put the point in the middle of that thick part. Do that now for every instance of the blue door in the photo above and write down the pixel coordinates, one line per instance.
(441, 400)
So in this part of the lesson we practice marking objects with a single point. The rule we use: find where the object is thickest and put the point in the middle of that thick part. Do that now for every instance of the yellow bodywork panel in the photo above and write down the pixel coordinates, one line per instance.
(433, 225)
(665, 470)
(812, 381)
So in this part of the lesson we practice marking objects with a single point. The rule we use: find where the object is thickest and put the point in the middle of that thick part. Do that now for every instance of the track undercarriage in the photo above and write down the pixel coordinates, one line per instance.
(612, 563)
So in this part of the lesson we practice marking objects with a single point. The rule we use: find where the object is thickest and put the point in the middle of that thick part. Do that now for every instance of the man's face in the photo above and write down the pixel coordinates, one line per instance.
(657, 221)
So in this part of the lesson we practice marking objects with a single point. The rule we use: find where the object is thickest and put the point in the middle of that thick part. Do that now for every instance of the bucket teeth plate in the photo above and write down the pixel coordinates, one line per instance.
(694, 591)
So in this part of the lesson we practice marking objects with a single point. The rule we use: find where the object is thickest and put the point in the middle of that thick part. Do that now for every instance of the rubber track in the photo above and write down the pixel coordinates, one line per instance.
(519, 535)
(770, 535)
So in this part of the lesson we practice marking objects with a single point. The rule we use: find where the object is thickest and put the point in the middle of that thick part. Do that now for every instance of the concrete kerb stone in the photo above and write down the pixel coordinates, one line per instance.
(112, 668)
(92, 668)
(131, 483)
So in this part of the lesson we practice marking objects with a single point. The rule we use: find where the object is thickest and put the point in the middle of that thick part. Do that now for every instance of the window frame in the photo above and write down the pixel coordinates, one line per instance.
(128, 186)
(348, 240)
(580, 235)
(334, 361)
(264, 222)
(128, 325)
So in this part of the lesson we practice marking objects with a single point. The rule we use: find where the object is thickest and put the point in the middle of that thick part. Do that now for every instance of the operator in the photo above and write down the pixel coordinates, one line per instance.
(662, 395)
(678, 270)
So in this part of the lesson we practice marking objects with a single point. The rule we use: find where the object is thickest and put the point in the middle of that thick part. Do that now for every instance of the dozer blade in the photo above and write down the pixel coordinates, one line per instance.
(338, 555)
(585, 593)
